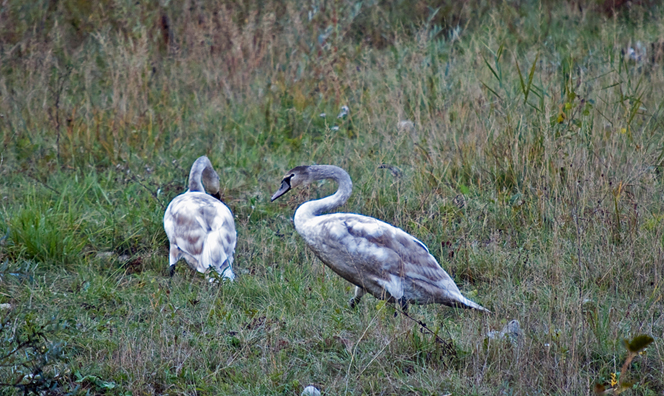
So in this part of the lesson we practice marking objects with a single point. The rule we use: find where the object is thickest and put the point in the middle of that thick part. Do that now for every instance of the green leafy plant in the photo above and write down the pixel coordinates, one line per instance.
(29, 360)
(618, 382)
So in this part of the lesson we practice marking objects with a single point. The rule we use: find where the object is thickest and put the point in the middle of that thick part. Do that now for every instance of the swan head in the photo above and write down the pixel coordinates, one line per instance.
(298, 176)
(211, 181)
(202, 171)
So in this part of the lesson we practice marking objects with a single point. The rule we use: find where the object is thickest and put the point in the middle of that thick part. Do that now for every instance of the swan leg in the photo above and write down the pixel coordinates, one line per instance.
(359, 292)
(403, 304)
(173, 257)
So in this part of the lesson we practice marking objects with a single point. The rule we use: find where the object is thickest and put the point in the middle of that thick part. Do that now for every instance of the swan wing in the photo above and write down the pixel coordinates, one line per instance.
(203, 228)
(382, 258)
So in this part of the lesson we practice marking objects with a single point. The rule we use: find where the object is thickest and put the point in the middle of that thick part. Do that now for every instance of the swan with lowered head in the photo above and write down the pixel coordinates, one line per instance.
(376, 257)
(200, 228)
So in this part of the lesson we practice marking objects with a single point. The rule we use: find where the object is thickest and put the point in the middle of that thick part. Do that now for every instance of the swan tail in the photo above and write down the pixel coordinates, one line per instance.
(463, 302)
(215, 256)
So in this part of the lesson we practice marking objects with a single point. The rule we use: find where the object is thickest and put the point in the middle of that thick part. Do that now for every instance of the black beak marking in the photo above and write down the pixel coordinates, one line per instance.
(285, 187)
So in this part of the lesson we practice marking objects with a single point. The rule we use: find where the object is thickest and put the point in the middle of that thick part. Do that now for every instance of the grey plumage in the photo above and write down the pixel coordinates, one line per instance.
(377, 257)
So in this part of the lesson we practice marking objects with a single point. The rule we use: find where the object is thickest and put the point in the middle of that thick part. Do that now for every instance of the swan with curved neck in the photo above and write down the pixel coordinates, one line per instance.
(200, 228)
(375, 256)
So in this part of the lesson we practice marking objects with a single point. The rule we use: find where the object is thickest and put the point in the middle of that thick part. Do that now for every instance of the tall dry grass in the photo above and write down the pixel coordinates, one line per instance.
(532, 170)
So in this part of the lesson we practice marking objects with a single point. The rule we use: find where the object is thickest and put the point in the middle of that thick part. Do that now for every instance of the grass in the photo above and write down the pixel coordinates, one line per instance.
(532, 172)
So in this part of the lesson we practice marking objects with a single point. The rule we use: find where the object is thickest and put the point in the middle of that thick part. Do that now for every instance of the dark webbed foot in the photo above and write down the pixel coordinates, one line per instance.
(352, 303)
(403, 304)
(359, 292)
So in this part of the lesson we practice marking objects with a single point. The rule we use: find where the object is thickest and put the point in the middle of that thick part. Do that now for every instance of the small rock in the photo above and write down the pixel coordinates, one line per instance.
(637, 53)
(104, 255)
(511, 331)
(396, 172)
(344, 112)
(406, 125)
(310, 391)
(5, 307)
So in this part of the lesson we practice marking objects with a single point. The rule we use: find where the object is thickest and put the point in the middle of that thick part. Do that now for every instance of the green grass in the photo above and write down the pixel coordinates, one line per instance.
(533, 174)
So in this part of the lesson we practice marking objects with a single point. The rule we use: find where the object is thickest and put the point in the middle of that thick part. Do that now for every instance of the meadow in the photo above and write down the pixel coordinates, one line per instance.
(520, 141)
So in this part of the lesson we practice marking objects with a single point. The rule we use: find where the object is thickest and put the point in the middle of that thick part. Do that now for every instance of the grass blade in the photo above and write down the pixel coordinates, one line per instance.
(530, 76)
(491, 90)
(491, 68)
(523, 84)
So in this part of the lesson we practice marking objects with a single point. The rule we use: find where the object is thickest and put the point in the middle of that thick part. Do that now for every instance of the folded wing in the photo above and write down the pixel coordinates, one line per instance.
(384, 260)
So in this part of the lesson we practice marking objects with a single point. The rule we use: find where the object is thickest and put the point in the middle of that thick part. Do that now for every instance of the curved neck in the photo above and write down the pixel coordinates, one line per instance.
(319, 206)
(196, 173)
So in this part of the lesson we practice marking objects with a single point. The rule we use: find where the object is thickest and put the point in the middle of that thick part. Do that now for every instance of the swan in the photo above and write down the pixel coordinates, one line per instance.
(377, 257)
(200, 228)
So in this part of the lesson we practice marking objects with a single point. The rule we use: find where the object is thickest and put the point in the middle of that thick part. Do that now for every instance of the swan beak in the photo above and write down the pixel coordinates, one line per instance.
(285, 186)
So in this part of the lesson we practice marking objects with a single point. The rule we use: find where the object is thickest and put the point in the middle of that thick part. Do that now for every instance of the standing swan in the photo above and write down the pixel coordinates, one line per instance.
(375, 256)
(200, 228)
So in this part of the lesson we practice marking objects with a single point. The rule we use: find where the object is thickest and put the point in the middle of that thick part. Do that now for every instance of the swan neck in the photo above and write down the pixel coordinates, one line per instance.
(196, 173)
(319, 206)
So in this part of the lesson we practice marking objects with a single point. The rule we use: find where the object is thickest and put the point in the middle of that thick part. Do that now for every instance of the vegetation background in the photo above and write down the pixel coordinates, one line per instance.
(525, 142)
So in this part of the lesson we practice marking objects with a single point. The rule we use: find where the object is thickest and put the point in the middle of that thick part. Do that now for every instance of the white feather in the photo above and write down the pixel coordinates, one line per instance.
(201, 229)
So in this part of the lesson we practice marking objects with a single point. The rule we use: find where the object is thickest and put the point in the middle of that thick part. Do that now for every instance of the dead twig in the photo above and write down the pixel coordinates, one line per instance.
(43, 184)
(135, 179)
(447, 346)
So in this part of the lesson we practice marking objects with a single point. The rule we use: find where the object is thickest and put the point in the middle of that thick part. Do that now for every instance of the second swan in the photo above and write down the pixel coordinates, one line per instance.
(200, 228)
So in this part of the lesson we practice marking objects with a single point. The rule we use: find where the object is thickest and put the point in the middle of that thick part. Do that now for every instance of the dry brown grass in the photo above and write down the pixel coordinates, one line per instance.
(545, 209)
